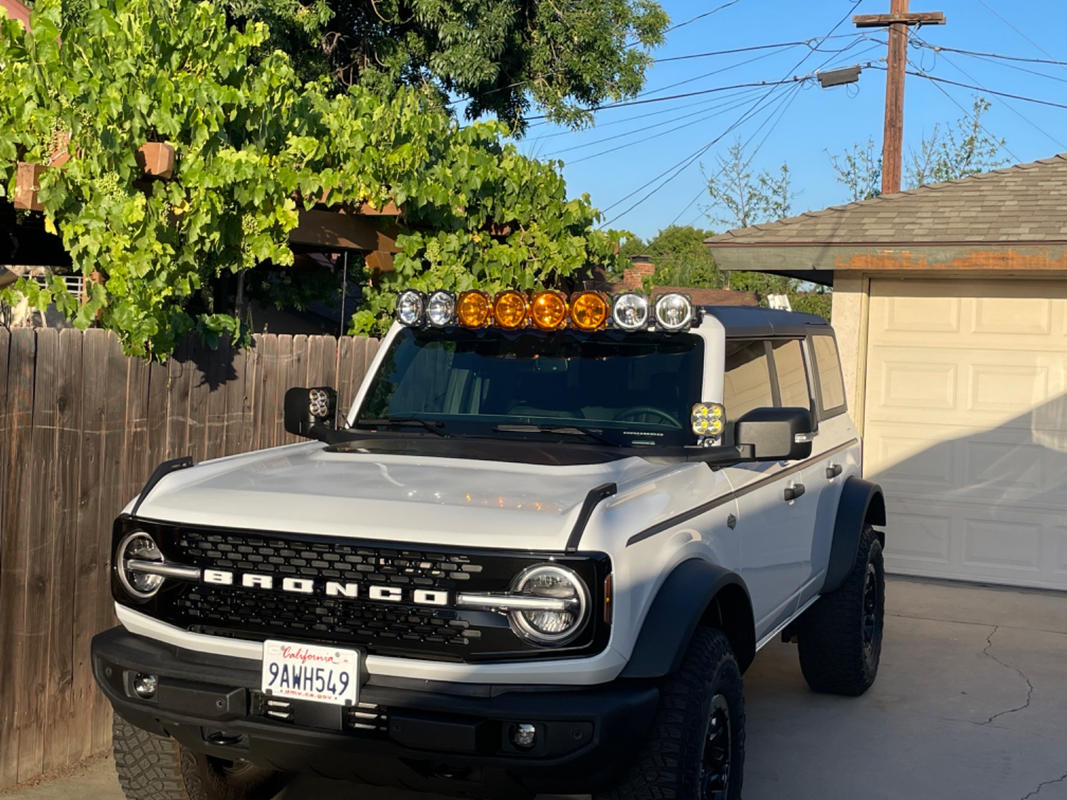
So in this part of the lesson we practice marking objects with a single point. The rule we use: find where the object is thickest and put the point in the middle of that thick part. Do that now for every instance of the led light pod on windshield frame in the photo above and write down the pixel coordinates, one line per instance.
(708, 419)
(473, 309)
(589, 311)
(548, 310)
(411, 308)
(511, 310)
(674, 312)
(630, 311)
(441, 309)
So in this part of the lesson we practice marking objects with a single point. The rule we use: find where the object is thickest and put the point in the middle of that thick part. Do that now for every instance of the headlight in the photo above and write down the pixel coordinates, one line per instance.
(138, 547)
(558, 604)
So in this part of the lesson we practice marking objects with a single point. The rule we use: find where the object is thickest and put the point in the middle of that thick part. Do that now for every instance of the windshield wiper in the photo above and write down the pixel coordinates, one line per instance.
(432, 425)
(566, 430)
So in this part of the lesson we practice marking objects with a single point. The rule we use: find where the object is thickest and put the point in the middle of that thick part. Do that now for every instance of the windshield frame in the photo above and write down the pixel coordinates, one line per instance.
(564, 429)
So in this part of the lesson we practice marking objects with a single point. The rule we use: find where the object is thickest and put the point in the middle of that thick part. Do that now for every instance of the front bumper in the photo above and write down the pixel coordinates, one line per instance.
(447, 737)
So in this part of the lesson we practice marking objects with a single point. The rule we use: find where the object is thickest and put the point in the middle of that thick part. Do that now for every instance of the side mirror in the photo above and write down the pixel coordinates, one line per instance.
(311, 413)
(775, 434)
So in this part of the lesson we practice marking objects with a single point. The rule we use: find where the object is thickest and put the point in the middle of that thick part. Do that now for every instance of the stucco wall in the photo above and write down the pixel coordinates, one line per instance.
(849, 318)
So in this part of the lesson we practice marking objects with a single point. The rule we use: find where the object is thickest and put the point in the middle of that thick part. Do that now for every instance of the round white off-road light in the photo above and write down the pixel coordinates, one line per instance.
(411, 308)
(629, 311)
(674, 312)
(441, 309)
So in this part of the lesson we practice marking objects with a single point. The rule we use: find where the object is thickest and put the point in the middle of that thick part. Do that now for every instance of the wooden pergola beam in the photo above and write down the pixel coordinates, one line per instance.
(336, 230)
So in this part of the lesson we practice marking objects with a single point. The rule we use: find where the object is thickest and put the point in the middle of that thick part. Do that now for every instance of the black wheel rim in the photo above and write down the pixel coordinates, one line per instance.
(870, 611)
(718, 747)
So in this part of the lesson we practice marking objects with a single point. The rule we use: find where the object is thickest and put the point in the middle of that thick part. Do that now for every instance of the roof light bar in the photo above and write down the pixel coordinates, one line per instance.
(547, 310)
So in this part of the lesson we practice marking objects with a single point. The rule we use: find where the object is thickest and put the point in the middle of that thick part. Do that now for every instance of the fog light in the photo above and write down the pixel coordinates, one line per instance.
(630, 311)
(524, 735)
(411, 308)
(145, 686)
(674, 312)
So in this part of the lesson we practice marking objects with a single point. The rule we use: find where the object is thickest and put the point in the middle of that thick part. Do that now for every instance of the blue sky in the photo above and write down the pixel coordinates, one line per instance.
(800, 124)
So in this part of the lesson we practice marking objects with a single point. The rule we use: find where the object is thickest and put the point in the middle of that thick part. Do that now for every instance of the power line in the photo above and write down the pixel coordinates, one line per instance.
(691, 20)
(1008, 23)
(711, 53)
(919, 74)
(1001, 56)
(974, 116)
(675, 170)
(988, 57)
(1006, 104)
(628, 103)
(704, 75)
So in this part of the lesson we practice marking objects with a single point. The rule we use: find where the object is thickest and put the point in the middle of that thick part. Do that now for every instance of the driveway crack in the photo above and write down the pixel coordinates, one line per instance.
(1041, 786)
(1029, 686)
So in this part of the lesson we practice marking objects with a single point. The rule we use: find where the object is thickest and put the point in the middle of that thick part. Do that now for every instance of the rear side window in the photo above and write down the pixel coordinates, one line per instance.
(747, 378)
(792, 377)
(828, 371)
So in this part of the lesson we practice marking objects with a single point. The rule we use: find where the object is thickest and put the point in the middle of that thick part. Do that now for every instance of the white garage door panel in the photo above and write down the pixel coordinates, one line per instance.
(966, 427)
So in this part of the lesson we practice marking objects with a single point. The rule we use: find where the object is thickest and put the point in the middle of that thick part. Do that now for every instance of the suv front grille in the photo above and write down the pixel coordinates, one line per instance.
(398, 625)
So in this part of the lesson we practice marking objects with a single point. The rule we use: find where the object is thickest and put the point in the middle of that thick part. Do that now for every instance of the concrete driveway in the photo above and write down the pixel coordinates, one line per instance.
(970, 704)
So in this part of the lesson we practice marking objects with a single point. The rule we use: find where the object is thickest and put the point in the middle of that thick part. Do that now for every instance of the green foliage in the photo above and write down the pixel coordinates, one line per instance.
(859, 168)
(947, 154)
(951, 153)
(682, 258)
(503, 56)
(742, 199)
(254, 144)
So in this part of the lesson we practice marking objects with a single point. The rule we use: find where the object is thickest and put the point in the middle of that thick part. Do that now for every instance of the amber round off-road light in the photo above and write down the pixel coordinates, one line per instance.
(630, 311)
(472, 309)
(707, 419)
(589, 311)
(510, 310)
(549, 310)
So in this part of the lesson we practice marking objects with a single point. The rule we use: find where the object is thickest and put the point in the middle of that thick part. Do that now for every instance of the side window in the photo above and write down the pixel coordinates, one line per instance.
(747, 378)
(828, 370)
(792, 377)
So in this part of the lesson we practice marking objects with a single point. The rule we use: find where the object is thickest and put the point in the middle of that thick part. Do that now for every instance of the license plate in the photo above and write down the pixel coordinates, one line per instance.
(310, 672)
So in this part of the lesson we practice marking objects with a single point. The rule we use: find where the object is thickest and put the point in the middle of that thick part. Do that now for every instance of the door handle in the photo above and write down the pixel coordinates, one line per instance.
(793, 492)
(833, 471)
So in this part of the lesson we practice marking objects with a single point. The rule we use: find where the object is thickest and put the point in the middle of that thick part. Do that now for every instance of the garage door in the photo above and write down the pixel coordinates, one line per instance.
(966, 427)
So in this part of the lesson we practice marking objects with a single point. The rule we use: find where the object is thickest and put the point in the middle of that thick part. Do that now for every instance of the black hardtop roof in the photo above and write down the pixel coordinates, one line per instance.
(753, 321)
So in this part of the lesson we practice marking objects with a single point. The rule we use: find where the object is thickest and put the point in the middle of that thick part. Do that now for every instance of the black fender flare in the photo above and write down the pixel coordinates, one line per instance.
(861, 502)
(695, 592)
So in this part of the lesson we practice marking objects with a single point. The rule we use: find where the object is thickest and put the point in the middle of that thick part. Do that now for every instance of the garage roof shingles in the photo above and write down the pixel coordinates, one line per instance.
(1027, 202)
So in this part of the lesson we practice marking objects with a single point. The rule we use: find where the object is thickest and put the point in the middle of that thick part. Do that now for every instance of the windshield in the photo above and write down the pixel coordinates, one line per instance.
(627, 389)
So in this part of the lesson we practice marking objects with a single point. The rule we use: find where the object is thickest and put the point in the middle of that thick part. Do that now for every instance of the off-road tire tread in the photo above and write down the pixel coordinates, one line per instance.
(153, 767)
(831, 652)
(657, 772)
(148, 765)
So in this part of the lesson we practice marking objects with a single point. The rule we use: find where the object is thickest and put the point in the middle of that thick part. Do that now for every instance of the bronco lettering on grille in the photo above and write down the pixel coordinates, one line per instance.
(385, 594)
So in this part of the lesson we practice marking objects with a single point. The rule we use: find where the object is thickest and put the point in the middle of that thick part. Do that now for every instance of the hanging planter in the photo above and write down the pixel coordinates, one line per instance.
(28, 185)
(156, 159)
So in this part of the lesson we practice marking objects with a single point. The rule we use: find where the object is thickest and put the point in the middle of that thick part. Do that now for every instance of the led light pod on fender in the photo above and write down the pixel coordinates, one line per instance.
(411, 308)
(707, 419)
(674, 312)
(589, 311)
(548, 310)
(511, 310)
(473, 309)
(630, 311)
(441, 309)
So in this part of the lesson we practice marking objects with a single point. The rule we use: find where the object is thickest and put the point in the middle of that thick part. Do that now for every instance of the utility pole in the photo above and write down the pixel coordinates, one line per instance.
(897, 20)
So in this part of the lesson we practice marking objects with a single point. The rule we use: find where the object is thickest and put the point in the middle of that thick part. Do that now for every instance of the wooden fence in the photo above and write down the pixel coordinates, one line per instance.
(81, 428)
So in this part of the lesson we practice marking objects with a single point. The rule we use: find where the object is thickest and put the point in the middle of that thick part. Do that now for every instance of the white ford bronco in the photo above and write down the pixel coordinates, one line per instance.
(535, 556)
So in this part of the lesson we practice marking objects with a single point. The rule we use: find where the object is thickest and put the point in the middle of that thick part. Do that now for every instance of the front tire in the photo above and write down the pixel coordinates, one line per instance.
(152, 767)
(840, 637)
(696, 749)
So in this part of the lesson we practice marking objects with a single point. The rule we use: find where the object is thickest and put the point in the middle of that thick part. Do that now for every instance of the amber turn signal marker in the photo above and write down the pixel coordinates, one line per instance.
(472, 309)
(510, 309)
(549, 310)
(589, 311)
